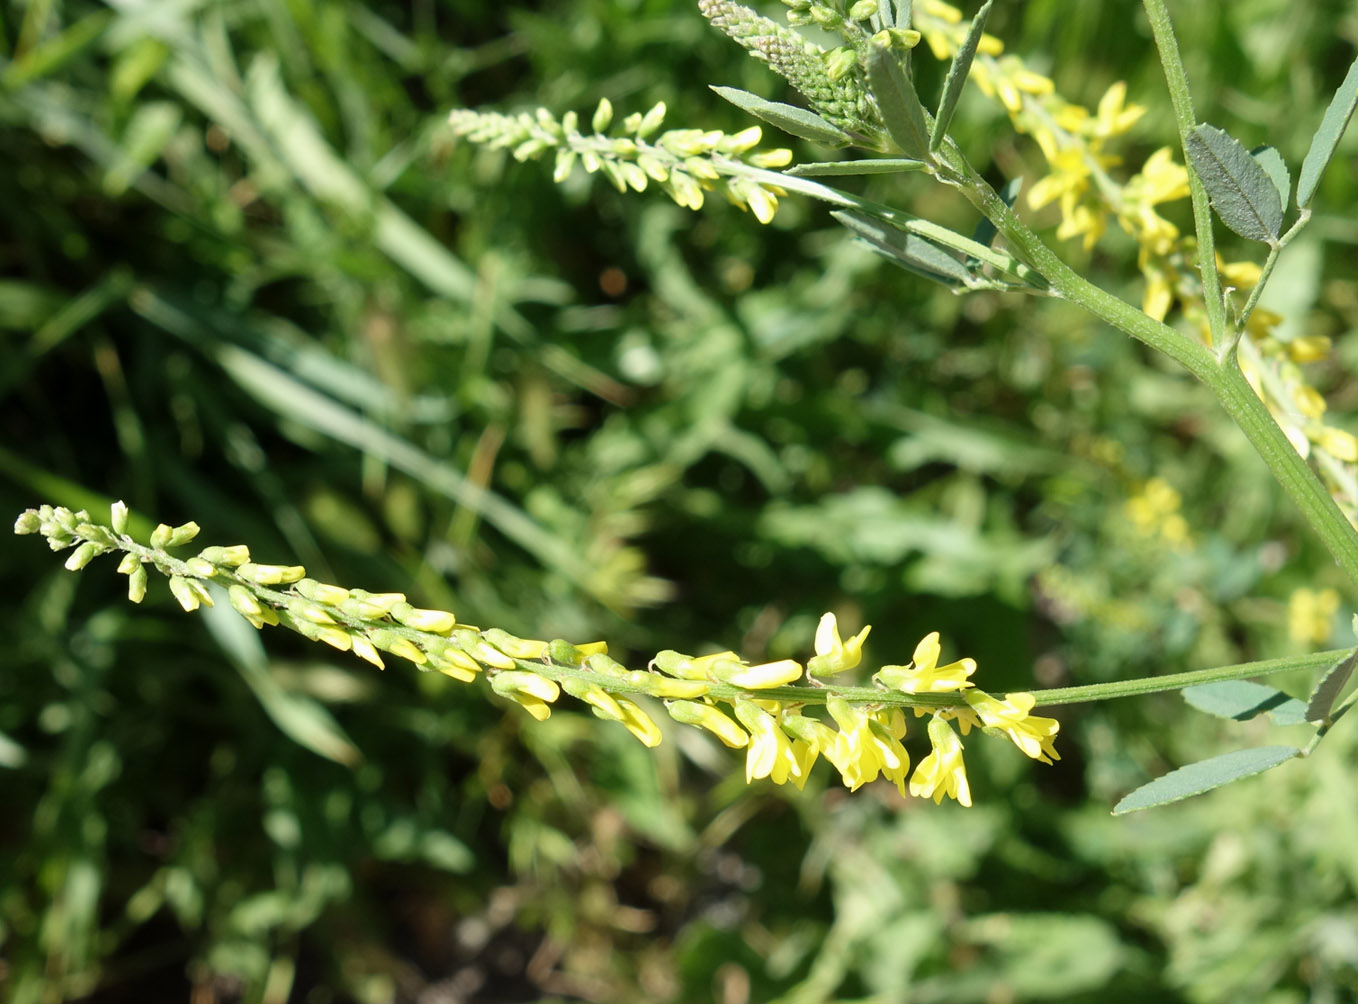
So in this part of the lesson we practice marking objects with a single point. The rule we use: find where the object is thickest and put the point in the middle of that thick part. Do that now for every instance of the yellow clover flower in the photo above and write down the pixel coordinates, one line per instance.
(925, 675)
(942, 771)
(832, 654)
(1032, 734)
(770, 753)
(868, 744)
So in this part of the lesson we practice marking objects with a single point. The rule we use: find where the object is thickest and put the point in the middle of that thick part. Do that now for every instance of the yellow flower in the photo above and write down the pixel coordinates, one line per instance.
(1308, 348)
(924, 675)
(708, 717)
(1337, 443)
(868, 744)
(942, 771)
(1310, 615)
(535, 693)
(770, 753)
(760, 677)
(1115, 116)
(1032, 734)
(833, 655)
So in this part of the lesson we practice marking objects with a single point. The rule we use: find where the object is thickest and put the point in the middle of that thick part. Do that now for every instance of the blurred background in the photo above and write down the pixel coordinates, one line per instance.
(248, 278)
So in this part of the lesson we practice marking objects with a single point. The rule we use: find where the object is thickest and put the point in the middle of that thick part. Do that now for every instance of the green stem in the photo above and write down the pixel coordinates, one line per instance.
(1223, 378)
(1177, 80)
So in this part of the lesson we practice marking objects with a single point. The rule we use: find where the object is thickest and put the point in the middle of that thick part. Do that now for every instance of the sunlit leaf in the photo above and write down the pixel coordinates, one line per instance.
(1204, 775)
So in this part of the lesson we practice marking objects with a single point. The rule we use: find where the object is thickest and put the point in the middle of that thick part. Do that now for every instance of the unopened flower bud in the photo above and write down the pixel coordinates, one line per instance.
(82, 556)
(118, 517)
(270, 575)
(233, 556)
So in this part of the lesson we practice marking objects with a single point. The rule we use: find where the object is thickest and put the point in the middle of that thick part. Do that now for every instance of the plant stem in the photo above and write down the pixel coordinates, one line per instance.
(1177, 79)
(1222, 377)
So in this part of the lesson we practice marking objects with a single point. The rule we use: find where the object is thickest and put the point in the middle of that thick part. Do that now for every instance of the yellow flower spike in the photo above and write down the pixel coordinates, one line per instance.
(706, 716)
(603, 703)
(321, 592)
(243, 601)
(433, 621)
(309, 611)
(365, 649)
(403, 648)
(833, 655)
(924, 675)
(760, 677)
(1032, 734)
(637, 722)
(471, 642)
(535, 693)
(667, 687)
(942, 771)
(770, 753)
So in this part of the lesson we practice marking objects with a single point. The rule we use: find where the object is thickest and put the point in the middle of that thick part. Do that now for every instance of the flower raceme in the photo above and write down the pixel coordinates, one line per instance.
(767, 709)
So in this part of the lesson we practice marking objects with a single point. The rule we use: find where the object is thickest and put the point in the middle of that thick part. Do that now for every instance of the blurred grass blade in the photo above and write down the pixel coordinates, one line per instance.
(792, 120)
(301, 718)
(957, 77)
(289, 398)
(56, 52)
(1205, 775)
(1241, 191)
(1326, 139)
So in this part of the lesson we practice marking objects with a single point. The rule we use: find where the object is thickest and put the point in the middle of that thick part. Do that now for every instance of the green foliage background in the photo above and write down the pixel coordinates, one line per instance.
(247, 278)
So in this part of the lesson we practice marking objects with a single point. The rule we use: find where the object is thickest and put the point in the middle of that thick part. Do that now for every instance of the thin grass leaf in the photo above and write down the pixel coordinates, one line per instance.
(957, 76)
(792, 120)
(902, 113)
(843, 168)
(1327, 689)
(301, 718)
(56, 52)
(1203, 776)
(1241, 191)
(1326, 139)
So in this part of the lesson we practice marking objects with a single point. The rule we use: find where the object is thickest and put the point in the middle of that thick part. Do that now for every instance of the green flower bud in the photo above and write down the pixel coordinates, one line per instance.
(129, 564)
(840, 61)
(182, 534)
(270, 575)
(160, 536)
(118, 517)
(233, 556)
(863, 9)
(202, 569)
(136, 583)
(28, 522)
(82, 556)
(605, 665)
(189, 598)
(603, 115)
(244, 601)
(651, 121)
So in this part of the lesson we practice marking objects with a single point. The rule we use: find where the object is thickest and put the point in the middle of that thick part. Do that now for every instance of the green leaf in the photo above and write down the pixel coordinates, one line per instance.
(1328, 687)
(1276, 169)
(902, 113)
(1203, 776)
(881, 165)
(1241, 191)
(886, 14)
(1241, 700)
(792, 120)
(957, 76)
(907, 250)
(1327, 137)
